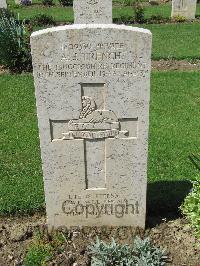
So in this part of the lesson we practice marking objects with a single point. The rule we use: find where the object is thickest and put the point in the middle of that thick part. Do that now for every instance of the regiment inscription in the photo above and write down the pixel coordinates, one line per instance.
(94, 60)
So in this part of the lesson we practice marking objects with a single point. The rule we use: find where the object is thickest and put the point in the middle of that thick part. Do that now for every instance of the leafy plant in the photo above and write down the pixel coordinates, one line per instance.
(6, 13)
(140, 253)
(66, 2)
(179, 18)
(139, 12)
(147, 254)
(110, 254)
(43, 20)
(14, 44)
(191, 206)
(47, 2)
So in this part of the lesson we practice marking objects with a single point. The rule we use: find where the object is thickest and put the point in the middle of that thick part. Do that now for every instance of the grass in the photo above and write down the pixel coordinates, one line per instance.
(174, 131)
(59, 13)
(21, 186)
(174, 125)
(65, 14)
(178, 41)
(174, 136)
(162, 10)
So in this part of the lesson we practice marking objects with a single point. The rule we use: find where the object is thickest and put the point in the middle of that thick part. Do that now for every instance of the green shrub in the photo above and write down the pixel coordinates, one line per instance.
(154, 19)
(14, 44)
(66, 2)
(47, 2)
(43, 20)
(191, 206)
(6, 13)
(140, 253)
(139, 12)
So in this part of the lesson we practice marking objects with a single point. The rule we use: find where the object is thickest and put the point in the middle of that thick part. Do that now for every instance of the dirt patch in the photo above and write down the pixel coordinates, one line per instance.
(15, 235)
(178, 240)
(176, 237)
(176, 65)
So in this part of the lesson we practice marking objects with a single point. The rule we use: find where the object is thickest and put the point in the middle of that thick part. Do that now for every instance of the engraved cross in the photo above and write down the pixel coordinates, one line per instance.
(94, 126)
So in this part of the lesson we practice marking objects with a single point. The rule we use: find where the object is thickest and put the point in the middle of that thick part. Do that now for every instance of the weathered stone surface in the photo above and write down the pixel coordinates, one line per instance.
(92, 11)
(3, 4)
(92, 89)
(185, 8)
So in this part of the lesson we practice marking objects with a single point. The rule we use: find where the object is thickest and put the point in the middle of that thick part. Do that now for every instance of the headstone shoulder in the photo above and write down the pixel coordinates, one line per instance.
(90, 26)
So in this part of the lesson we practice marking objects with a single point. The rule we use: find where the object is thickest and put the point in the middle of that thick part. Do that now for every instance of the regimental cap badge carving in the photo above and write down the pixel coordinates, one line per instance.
(94, 123)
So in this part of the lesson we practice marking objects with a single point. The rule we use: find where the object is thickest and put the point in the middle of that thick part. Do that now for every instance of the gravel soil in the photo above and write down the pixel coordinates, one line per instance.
(175, 236)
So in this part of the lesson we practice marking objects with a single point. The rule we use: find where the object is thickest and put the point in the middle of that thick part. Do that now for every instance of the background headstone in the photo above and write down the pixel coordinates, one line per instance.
(3, 4)
(92, 89)
(92, 11)
(185, 8)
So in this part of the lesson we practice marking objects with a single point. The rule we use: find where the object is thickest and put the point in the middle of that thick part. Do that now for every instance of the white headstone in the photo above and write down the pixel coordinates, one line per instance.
(92, 89)
(3, 4)
(92, 11)
(185, 8)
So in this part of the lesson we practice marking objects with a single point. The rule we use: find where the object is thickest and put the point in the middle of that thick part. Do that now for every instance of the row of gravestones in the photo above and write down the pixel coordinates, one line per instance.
(185, 8)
